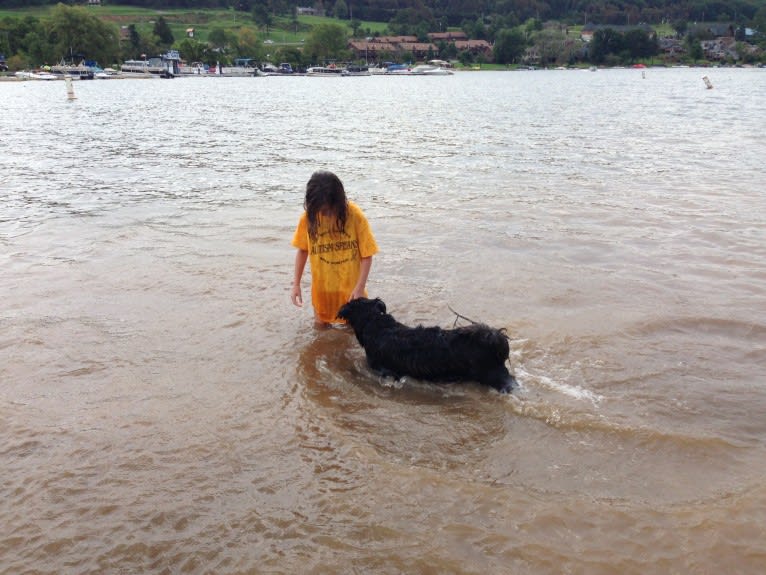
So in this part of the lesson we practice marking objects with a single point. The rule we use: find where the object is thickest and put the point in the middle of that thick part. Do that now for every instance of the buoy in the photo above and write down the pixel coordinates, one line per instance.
(708, 83)
(69, 88)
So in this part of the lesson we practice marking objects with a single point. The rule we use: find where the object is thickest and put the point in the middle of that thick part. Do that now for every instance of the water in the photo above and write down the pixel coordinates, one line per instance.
(165, 409)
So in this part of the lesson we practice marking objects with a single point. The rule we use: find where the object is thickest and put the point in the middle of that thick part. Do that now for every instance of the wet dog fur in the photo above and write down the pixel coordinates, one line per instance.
(475, 352)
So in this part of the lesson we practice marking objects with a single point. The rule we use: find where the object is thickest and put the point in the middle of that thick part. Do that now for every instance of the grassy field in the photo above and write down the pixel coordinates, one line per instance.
(284, 29)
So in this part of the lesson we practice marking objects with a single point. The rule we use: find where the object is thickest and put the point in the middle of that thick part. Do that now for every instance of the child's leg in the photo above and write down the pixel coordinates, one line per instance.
(319, 324)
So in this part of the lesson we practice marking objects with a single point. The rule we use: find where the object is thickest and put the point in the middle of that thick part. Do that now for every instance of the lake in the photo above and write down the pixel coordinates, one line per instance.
(165, 409)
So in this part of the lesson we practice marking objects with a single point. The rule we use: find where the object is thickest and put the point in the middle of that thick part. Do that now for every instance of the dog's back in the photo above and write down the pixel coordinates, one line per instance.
(476, 352)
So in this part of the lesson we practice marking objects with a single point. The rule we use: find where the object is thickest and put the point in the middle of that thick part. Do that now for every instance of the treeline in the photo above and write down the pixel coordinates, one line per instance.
(444, 13)
(76, 32)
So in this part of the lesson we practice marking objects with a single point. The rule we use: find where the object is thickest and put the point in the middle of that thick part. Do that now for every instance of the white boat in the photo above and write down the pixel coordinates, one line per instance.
(81, 71)
(164, 66)
(284, 69)
(110, 73)
(399, 70)
(327, 71)
(430, 70)
(141, 68)
(27, 75)
(356, 71)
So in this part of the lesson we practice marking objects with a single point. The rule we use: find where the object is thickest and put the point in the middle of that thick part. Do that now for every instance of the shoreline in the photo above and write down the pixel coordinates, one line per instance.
(10, 77)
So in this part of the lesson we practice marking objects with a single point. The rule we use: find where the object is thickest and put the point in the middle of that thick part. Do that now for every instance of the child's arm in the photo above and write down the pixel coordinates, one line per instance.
(300, 263)
(361, 283)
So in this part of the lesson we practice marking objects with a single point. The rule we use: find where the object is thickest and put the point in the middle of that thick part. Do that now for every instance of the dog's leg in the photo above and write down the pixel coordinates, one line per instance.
(508, 385)
(500, 380)
(382, 371)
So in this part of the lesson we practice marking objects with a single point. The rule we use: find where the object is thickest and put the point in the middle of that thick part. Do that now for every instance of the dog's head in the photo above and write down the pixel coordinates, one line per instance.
(360, 311)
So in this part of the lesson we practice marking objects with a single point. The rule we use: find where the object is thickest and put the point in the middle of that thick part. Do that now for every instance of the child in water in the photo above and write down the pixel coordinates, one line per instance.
(334, 235)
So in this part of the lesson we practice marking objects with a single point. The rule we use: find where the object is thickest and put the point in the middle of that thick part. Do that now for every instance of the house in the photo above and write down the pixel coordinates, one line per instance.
(718, 29)
(474, 47)
(395, 39)
(722, 48)
(94, 2)
(447, 37)
(305, 11)
(671, 47)
(419, 50)
(373, 49)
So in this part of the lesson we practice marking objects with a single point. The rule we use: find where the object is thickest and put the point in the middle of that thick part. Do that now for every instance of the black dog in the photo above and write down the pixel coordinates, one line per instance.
(473, 353)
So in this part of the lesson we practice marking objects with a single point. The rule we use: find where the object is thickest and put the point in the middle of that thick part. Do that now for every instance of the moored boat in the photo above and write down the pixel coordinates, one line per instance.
(356, 71)
(36, 75)
(164, 66)
(327, 71)
(430, 70)
(399, 70)
(80, 72)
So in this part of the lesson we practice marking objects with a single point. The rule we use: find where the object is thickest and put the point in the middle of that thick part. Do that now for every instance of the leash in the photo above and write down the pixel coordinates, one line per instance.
(458, 316)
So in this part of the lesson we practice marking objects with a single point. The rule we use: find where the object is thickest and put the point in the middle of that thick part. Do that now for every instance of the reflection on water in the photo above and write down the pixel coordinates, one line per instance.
(164, 408)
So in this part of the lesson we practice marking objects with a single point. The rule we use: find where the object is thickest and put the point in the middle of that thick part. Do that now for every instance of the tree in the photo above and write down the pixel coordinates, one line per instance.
(408, 21)
(17, 34)
(38, 49)
(218, 38)
(532, 25)
(605, 42)
(639, 44)
(163, 32)
(680, 27)
(74, 32)
(509, 45)
(247, 44)
(550, 44)
(326, 41)
(465, 57)
(694, 48)
(340, 11)
(759, 20)
(134, 39)
(192, 50)
(290, 54)
(262, 16)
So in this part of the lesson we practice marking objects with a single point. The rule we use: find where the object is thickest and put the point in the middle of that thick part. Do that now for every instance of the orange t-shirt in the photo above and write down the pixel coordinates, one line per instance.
(335, 258)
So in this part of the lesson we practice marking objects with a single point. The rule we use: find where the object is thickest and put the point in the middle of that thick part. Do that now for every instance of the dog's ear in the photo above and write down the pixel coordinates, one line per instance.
(380, 307)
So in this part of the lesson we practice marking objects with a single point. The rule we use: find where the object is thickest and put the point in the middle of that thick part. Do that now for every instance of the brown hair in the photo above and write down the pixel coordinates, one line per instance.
(325, 190)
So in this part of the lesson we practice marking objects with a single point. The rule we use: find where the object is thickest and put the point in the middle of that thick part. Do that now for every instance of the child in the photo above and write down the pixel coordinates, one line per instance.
(333, 234)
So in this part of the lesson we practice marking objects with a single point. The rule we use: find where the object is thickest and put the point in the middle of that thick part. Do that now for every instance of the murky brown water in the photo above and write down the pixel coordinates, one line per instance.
(165, 409)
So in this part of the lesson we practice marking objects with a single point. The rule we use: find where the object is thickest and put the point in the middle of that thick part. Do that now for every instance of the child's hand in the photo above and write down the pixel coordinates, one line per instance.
(357, 293)
(295, 295)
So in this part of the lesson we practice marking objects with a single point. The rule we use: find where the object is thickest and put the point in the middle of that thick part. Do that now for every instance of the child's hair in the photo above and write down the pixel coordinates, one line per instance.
(325, 190)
